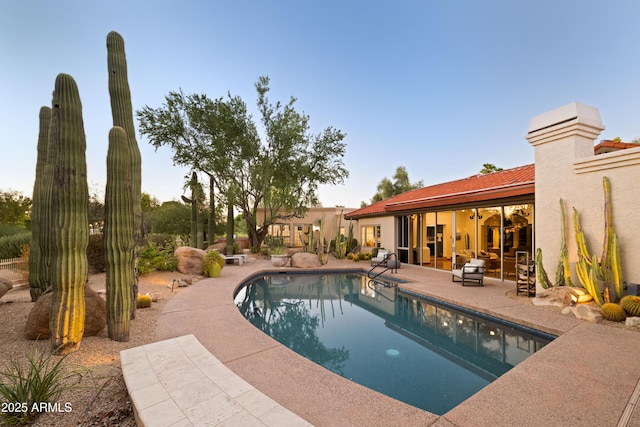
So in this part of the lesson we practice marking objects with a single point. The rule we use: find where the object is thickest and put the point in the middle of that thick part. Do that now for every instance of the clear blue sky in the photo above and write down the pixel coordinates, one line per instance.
(439, 87)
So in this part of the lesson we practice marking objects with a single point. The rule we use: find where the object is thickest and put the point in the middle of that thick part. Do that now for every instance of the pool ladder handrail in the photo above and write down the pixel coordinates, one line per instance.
(394, 269)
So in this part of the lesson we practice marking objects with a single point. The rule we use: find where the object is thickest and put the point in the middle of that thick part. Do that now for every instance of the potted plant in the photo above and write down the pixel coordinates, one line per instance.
(278, 252)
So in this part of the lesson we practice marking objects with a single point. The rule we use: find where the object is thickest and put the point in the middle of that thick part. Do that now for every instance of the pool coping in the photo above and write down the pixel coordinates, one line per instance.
(309, 390)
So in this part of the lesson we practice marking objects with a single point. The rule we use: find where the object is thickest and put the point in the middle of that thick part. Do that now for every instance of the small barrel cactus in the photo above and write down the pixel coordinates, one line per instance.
(631, 305)
(144, 301)
(612, 311)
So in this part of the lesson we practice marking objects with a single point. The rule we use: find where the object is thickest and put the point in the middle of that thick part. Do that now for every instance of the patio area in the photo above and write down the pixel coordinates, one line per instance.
(587, 376)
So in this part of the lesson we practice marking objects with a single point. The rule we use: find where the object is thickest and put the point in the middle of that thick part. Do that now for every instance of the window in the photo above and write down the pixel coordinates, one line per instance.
(280, 231)
(302, 233)
(370, 235)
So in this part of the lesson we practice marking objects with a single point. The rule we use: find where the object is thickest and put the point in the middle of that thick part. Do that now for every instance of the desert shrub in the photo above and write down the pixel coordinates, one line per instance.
(161, 239)
(34, 379)
(157, 257)
(10, 246)
(95, 254)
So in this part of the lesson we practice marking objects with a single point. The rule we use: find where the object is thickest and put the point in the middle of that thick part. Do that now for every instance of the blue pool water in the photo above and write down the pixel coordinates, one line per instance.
(424, 353)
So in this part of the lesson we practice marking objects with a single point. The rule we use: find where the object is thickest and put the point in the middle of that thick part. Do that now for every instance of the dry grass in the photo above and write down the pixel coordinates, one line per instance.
(102, 399)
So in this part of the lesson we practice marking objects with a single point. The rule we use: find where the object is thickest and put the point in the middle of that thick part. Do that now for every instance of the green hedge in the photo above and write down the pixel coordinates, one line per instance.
(10, 245)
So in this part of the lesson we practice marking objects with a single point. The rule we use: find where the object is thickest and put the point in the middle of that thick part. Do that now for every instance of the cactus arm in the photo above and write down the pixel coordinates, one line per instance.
(118, 239)
(69, 218)
(38, 277)
(564, 253)
(122, 114)
(616, 267)
(608, 227)
(581, 242)
(589, 280)
(543, 279)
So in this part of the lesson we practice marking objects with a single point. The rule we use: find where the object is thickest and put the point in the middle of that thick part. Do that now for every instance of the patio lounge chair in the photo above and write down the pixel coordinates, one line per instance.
(471, 271)
(381, 258)
(240, 258)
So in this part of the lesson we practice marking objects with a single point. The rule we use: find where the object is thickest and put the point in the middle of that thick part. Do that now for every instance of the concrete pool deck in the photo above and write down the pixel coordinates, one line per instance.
(587, 376)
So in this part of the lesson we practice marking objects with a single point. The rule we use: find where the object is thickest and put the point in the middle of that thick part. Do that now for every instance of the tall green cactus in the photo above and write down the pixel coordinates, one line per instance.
(119, 244)
(38, 277)
(563, 271)
(601, 277)
(69, 218)
(122, 113)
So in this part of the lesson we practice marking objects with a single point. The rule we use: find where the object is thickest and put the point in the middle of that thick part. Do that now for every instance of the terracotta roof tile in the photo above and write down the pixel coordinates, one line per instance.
(506, 183)
(607, 145)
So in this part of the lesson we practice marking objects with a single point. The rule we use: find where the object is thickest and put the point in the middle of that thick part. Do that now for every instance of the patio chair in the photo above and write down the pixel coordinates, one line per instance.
(471, 271)
(381, 258)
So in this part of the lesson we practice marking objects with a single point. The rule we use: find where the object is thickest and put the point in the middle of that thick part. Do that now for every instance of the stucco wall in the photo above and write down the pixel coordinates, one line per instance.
(387, 230)
(567, 168)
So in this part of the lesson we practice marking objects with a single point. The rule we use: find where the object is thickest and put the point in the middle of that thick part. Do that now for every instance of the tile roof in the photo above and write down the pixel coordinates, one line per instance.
(606, 146)
(506, 183)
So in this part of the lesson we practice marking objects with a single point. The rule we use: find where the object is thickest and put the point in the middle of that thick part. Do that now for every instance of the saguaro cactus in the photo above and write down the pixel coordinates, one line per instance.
(38, 278)
(118, 236)
(122, 113)
(69, 229)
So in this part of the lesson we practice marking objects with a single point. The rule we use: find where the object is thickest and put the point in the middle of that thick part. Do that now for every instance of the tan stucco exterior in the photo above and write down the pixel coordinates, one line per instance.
(567, 168)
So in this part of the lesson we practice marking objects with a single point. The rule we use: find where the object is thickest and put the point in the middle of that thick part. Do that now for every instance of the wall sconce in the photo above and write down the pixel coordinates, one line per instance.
(474, 215)
(521, 212)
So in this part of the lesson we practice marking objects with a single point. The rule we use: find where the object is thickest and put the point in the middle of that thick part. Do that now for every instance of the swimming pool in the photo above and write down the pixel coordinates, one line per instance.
(425, 353)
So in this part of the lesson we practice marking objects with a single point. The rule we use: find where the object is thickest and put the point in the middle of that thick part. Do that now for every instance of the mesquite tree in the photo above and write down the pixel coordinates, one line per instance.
(118, 236)
(122, 113)
(69, 199)
(38, 277)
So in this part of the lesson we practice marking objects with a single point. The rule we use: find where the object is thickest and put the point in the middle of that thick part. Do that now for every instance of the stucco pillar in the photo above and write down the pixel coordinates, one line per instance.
(560, 137)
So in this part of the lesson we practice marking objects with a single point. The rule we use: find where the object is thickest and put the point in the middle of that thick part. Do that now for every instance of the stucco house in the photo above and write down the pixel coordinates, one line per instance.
(507, 215)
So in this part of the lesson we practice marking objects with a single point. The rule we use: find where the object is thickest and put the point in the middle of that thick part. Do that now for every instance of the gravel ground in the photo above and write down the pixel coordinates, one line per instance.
(101, 398)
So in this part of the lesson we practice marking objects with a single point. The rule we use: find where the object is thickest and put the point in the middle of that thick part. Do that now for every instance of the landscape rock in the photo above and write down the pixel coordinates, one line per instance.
(589, 313)
(218, 246)
(95, 318)
(632, 322)
(189, 260)
(3, 289)
(8, 283)
(305, 260)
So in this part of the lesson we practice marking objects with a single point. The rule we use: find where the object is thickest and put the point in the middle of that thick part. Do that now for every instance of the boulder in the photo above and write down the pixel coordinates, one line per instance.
(218, 246)
(3, 289)
(557, 296)
(95, 318)
(587, 312)
(189, 260)
(305, 260)
(8, 283)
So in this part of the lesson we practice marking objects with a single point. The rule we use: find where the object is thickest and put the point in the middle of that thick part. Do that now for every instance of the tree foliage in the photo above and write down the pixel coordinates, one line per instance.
(14, 207)
(489, 168)
(219, 137)
(399, 184)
